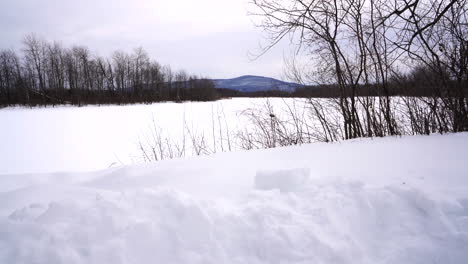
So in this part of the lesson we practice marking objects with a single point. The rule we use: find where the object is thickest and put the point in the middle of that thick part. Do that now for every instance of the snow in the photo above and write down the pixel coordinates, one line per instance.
(283, 180)
(71, 139)
(387, 200)
(91, 138)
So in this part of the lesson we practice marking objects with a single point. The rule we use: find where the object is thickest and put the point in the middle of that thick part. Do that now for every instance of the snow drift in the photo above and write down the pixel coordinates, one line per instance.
(391, 200)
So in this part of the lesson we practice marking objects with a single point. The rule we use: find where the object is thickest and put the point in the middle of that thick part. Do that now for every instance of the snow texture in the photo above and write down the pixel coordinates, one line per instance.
(283, 180)
(390, 200)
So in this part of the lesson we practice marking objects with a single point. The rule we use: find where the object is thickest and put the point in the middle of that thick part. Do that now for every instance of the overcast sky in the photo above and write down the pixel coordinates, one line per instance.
(207, 37)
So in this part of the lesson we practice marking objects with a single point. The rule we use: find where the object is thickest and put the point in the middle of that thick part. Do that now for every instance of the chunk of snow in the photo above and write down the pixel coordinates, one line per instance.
(283, 180)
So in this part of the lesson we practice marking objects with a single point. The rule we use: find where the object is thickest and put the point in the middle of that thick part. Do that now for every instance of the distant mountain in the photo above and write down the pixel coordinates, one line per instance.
(249, 83)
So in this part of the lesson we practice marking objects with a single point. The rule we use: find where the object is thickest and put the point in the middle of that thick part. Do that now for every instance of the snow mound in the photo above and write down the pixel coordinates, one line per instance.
(283, 180)
(405, 208)
(333, 223)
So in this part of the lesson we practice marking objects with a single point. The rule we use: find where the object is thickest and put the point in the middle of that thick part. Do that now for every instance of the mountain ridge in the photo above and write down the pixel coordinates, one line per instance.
(253, 83)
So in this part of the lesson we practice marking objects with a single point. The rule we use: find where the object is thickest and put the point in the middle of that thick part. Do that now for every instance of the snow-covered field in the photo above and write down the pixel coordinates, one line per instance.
(386, 200)
(93, 138)
(64, 139)
(390, 200)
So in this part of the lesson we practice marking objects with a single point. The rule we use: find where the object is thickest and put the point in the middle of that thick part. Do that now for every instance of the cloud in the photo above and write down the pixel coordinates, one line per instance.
(207, 37)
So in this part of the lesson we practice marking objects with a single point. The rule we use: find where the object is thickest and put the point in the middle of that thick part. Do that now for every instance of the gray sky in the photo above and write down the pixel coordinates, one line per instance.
(207, 37)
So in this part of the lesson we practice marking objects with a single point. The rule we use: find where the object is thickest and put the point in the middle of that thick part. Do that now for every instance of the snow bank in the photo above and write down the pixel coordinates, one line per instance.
(401, 200)
(335, 223)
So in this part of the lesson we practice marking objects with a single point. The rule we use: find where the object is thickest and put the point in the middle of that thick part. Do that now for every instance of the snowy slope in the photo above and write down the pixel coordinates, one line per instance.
(249, 83)
(390, 200)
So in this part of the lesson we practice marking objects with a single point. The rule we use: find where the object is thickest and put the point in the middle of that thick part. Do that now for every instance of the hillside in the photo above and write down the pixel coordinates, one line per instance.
(389, 200)
(249, 83)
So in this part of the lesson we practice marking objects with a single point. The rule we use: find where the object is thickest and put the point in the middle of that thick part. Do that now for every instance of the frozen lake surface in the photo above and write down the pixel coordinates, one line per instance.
(97, 137)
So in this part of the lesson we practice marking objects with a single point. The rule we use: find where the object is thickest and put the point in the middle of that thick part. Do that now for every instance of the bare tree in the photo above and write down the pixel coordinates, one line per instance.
(357, 47)
(35, 51)
(48, 73)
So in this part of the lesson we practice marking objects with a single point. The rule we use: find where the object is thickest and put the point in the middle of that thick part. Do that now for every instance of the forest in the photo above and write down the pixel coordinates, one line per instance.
(47, 73)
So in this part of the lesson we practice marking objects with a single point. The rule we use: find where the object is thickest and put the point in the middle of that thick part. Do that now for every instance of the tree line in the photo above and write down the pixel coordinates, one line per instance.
(47, 73)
